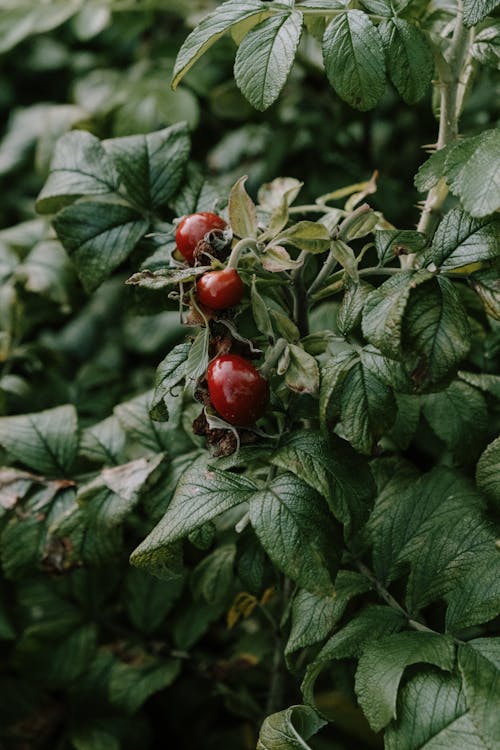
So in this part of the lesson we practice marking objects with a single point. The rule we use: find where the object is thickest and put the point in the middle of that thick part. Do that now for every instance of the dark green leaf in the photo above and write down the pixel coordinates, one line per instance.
(288, 730)
(479, 662)
(471, 170)
(461, 240)
(169, 373)
(488, 471)
(132, 684)
(354, 59)
(265, 58)
(409, 58)
(391, 243)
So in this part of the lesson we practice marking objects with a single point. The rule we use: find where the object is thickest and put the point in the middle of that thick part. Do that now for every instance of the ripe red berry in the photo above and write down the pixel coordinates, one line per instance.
(237, 390)
(192, 228)
(219, 290)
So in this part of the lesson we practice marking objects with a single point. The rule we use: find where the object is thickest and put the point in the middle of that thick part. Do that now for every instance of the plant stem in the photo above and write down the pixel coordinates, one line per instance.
(244, 244)
(451, 86)
(300, 312)
(275, 696)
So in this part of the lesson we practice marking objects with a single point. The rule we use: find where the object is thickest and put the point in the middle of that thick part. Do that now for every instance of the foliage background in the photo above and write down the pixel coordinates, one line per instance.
(88, 653)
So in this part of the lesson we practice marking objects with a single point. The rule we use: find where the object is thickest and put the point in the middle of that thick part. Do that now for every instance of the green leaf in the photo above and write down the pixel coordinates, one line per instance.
(408, 57)
(354, 59)
(134, 417)
(265, 57)
(352, 305)
(486, 45)
(113, 494)
(48, 271)
(148, 600)
(242, 212)
(483, 381)
(459, 416)
(141, 160)
(344, 255)
(131, 685)
(99, 236)
(479, 662)
(486, 284)
(432, 713)
(313, 617)
(21, 19)
(384, 310)
(211, 29)
(475, 598)
(104, 442)
(368, 625)
(437, 330)
(309, 236)
(432, 170)
(212, 578)
(169, 373)
(331, 467)
(461, 240)
(472, 173)
(80, 167)
(201, 495)
(381, 668)
(288, 730)
(333, 374)
(391, 243)
(302, 373)
(476, 10)
(488, 471)
(162, 278)
(46, 441)
(295, 528)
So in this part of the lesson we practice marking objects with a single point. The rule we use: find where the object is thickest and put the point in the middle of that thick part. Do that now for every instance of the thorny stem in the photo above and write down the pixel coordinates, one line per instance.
(451, 83)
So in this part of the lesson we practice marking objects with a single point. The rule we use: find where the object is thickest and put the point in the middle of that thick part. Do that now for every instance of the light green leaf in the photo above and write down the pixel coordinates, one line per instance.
(141, 162)
(354, 59)
(479, 662)
(201, 495)
(46, 441)
(306, 235)
(486, 45)
(131, 685)
(476, 10)
(295, 528)
(288, 730)
(436, 329)
(162, 278)
(488, 471)
(80, 166)
(344, 255)
(22, 18)
(331, 467)
(384, 310)
(472, 172)
(409, 58)
(381, 668)
(302, 373)
(352, 305)
(242, 212)
(459, 416)
(313, 616)
(134, 417)
(461, 240)
(265, 57)
(483, 381)
(99, 235)
(433, 715)
(432, 170)
(211, 29)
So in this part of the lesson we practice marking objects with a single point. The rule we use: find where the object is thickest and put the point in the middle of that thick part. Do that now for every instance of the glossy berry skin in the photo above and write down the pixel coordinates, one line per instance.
(237, 390)
(192, 228)
(219, 290)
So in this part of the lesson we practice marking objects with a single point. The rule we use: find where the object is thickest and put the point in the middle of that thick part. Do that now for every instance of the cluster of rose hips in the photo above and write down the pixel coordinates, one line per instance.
(237, 390)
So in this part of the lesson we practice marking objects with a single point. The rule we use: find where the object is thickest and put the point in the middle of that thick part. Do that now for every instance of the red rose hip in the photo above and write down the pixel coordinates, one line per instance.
(192, 228)
(220, 290)
(238, 392)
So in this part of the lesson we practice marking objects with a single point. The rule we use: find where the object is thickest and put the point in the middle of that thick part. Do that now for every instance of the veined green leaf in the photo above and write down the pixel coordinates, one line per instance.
(461, 240)
(354, 59)
(288, 730)
(265, 58)
(381, 668)
(99, 235)
(211, 29)
(242, 213)
(169, 373)
(488, 471)
(295, 528)
(310, 236)
(432, 713)
(476, 10)
(46, 441)
(409, 58)
(486, 284)
(472, 172)
(80, 166)
(479, 662)
(391, 243)
(151, 166)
